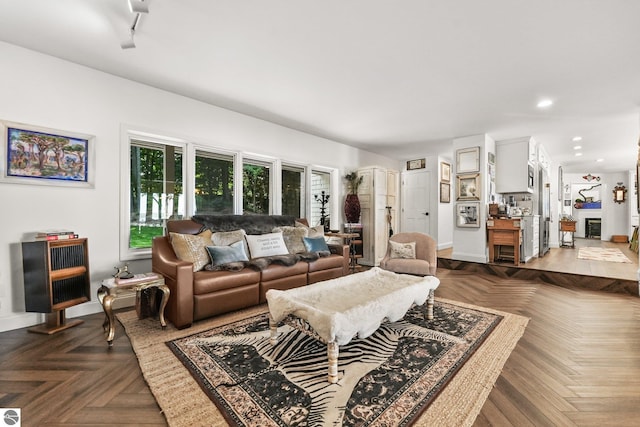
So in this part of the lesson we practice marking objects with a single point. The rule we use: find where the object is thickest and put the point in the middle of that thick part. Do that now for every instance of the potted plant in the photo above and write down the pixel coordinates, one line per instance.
(351, 202)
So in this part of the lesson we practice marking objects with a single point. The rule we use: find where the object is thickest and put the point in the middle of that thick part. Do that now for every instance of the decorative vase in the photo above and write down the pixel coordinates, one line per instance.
(352, 208)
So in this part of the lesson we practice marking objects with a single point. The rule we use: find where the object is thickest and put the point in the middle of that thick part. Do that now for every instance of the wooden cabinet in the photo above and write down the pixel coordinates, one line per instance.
(56, 277)
(378, 190)
(504, 234)
(515, 171)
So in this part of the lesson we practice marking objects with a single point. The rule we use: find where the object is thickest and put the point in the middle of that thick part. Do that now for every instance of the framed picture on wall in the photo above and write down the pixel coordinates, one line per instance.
(468, 187)
(43, 156)
(468, 215)
(445, 172)
(445, 192)
(468, 160)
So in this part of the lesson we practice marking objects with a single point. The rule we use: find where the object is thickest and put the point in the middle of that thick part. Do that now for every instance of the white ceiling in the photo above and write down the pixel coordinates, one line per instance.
(401, 78)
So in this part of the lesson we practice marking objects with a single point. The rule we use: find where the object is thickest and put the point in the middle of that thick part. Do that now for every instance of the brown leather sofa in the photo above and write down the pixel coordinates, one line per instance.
(202, 294)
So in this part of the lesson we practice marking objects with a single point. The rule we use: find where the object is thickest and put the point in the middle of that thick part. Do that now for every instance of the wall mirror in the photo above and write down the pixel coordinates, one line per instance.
(619, 193)
(468, 160)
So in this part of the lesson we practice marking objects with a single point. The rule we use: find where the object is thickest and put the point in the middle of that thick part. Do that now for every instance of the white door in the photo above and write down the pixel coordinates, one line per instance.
(415, 201)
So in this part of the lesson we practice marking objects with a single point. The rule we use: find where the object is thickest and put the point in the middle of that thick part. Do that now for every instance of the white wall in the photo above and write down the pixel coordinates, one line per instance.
(45, 91)
(470, 244)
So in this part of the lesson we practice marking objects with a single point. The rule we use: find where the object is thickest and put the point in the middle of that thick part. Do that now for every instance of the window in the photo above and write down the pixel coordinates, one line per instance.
(155, 190)
(256, 185)
(214, 183)
(293, 191)
(320, 198)
(167, 178)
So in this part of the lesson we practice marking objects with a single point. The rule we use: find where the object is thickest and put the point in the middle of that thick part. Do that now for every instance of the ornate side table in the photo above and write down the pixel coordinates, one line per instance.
(110, 291)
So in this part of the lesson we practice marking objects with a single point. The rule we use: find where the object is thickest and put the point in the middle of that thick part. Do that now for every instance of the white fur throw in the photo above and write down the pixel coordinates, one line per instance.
(355, 305)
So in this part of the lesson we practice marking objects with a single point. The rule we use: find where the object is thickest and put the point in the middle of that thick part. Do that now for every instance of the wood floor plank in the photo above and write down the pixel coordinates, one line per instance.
(577, 364)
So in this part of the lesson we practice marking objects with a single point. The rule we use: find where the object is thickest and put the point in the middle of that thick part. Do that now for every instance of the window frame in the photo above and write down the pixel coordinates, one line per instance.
(128, 134)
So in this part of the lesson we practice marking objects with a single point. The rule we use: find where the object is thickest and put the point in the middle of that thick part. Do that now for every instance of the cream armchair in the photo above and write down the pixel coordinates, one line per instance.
(426, 256)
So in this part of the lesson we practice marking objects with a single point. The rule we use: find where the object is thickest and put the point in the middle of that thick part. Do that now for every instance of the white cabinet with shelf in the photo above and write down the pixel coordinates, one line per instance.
(515, 171)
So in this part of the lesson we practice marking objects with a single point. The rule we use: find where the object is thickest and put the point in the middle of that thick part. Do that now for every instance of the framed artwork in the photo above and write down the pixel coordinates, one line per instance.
(42, 156)
(416, 164)
(445, 172)
(468, 160)
(445, 192)
(468, 187)
(492, 158)
(468, 215)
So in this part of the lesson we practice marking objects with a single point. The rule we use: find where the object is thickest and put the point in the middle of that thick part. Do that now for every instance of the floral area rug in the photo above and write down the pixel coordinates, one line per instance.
(602, 254)
(386, 379)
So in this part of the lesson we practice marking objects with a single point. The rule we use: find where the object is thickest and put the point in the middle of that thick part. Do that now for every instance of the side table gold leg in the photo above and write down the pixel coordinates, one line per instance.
(332, 356)
(107, 306)
(102, 292)
(430, 303)
(163, 303)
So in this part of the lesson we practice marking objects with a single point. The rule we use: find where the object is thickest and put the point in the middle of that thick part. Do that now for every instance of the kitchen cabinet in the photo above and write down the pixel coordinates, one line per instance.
(515, 166)
(530, 237)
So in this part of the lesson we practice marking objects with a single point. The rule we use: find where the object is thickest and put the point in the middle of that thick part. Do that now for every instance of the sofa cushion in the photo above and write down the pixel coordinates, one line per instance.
(317, 231)
(292, 237)
(225, 238)
(326, 263)
(205, 282)
(402, 250)
(315, 244)
(192, 248)
(269, 244)
(221, 255)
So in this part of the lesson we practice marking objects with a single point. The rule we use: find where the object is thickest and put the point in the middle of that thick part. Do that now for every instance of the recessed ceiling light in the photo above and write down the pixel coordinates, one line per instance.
(599, 160)
(577, 147)
(577, 138)
(545, 103)
(578, 154)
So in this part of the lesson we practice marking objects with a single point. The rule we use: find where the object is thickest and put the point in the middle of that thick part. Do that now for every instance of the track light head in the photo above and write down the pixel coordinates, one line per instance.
(130, 42)
(138, 6)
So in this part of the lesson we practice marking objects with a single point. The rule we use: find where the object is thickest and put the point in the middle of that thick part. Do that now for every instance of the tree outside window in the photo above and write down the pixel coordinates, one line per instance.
(156, 190)
(214, 184)
(255, 185)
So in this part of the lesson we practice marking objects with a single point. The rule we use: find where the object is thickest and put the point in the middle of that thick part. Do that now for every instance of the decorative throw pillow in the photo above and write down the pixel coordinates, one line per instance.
(293, 238)
(317, 231)
(221, 255)
(269, 244)
(315, 244)
(403, 250)
(191, 248)
(225, 238)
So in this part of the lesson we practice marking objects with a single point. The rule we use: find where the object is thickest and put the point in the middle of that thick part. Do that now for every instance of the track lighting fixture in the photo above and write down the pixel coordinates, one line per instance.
(130, 43)
(138, 6)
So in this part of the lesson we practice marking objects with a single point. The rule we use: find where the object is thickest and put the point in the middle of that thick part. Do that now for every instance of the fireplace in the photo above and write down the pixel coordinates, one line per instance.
(592, 228)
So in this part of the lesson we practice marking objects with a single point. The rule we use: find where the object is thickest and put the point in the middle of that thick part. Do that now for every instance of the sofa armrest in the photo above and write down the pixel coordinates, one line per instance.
(178, 276)
(342, 250)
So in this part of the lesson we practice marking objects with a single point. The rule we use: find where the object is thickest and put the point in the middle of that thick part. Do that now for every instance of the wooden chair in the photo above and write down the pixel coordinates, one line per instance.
(425, 262)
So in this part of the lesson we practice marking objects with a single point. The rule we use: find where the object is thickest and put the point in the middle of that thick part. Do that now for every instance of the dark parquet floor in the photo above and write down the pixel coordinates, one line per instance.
(578, 363)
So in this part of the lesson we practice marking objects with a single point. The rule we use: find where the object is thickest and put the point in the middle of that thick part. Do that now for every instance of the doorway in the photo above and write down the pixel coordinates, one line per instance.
(416, 201)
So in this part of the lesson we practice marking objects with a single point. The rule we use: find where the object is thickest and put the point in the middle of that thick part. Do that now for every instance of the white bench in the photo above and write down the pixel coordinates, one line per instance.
(338, 310)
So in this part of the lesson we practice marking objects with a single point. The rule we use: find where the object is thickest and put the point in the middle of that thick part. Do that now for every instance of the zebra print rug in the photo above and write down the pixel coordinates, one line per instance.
(184, 402)
(386, 379)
